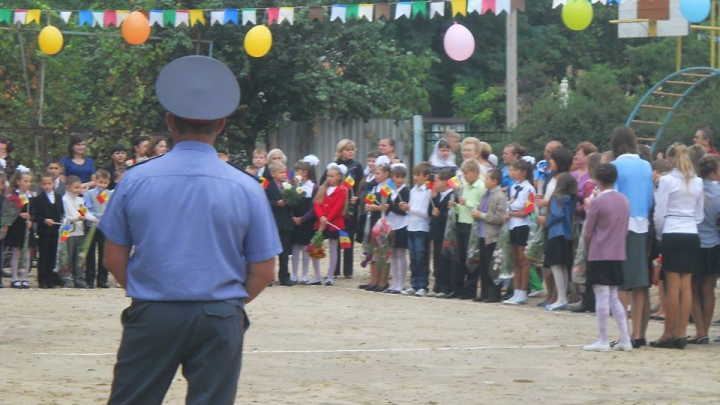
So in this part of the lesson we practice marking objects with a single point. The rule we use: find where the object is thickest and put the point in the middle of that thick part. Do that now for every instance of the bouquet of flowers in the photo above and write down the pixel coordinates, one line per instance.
(535, 250)
(10, 211)
(315, 249)
(450, 243)
(382, 237)
(367, 244)
(507, 270)
(292, 193)
(473, 251)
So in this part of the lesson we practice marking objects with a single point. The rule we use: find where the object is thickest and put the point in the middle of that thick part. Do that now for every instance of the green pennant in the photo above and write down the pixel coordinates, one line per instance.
(169, 17)
(6, 16)
(419, 8)
(351, 11)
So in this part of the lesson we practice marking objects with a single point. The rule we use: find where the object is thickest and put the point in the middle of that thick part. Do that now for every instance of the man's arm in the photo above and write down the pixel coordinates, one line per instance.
(116, 261)
(259, 275)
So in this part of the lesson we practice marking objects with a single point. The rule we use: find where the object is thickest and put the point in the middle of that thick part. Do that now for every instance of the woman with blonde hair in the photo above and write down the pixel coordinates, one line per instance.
(472, 149)
(679, 208)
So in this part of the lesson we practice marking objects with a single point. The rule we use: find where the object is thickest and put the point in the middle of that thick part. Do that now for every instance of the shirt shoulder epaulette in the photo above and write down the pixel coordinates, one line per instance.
(144, 161)
(242, 170)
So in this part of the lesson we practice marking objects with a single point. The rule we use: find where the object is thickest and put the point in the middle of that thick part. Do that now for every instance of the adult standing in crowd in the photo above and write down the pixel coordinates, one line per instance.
(635, 182)
(157, 145)
(387, 148)
(581, 172)
(705, 137)
(194, 268)
(511, 153)
(77, 164)
(6, 149)
(118, 155)
(140, 147)
(345, 155)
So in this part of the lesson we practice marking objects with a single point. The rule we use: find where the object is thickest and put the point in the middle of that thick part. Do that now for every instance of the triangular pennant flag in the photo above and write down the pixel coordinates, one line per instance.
(6, 16)
(98, 18)
(287, 14)
(169, 17)
(33, 16)
(557, 3)
(182, 17)
(517, 5)
(419, 8)
(365, 11)
(474, 6)
(272, 15)
(231, 16)
(437, 7)
(403, 9)
(338, 11)
(488, 5)
(351, 11)
(20, 16)
(249, 15)
(502, 5)
(65, 16)
(197, 17)
(382, 11)
(459, 7)
(316, 14)
(217, 17)
(85, 18)
(110, 18)
(121, 15)
(156, 17)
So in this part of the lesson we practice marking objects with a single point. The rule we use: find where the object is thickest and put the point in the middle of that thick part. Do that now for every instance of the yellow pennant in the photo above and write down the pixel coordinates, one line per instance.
(459, 7)
(197, 16)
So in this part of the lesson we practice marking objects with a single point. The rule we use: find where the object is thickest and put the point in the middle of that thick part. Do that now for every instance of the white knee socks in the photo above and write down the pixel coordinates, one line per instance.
(17, 271)
(561, 282)
(296, 253)
(606, 298)
(334, 253)
(618, 313)
(399, 268)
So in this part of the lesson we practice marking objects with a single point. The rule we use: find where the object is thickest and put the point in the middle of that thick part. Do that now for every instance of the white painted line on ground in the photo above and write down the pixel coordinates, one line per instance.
(386, 350)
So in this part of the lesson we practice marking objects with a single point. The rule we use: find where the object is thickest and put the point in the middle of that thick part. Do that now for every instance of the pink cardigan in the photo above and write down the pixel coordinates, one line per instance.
(606, 227)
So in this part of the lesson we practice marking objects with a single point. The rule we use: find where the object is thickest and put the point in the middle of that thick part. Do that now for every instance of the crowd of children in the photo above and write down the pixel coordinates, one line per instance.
(596, 229)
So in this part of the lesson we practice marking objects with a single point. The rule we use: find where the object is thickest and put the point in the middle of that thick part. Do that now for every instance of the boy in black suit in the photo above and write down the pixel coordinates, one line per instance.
(283, 217)
(441, 196)
(47, 213)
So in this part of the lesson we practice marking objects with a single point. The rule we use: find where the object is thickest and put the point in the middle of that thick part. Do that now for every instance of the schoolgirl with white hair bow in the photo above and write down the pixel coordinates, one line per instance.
(20, 184)
(304, 219)
(330, 207)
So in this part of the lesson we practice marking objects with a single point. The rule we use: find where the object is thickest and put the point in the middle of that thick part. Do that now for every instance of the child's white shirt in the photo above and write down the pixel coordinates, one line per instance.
(418, 216)
(518, 198)
(72, 205)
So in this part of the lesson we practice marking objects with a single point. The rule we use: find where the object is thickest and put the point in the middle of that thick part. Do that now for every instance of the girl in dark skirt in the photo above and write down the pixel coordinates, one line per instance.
(399, 221)
(559, 253)
(679, 209)
(21, 182)
(604, 234)
(304, 218)
(378, 282)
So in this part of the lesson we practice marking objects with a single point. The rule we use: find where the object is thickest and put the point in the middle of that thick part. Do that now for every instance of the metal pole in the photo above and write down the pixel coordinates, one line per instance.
(678, 54)
(713, 35)
(41, 103)
(418, 139)
(511, 69)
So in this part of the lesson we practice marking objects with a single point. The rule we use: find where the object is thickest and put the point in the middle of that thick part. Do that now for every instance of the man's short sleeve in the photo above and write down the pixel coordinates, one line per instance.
(261, 241)
(114, 222)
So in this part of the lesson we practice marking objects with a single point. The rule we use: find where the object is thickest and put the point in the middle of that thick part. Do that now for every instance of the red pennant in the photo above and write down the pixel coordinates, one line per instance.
(488, 5)
(273, 14)
(110, 18)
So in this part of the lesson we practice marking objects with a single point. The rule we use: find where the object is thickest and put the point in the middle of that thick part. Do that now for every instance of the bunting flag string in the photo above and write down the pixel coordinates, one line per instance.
(273, 15)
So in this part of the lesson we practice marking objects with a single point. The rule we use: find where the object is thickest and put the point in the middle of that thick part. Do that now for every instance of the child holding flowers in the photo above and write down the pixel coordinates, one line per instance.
(330, 206)
(303, 218)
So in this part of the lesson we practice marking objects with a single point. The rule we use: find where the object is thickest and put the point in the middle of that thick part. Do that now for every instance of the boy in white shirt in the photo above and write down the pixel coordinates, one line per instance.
(418, 209)
(75, 214)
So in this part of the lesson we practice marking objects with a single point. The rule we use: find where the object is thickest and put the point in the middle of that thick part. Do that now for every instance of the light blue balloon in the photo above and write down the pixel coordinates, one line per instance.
(695, 11)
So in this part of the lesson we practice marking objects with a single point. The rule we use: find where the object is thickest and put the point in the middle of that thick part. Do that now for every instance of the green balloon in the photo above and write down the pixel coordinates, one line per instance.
(577, 14)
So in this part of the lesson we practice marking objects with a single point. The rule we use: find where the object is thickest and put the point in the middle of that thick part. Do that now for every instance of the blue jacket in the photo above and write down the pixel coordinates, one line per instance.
(635, 182)
(559, 219)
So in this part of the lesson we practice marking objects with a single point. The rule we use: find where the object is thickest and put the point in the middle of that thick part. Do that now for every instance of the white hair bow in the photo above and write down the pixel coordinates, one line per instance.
(342, 168)
(529, 159)
(22, 169)
(401, 164)
(312, 160)
(382, 161)
(3, 163)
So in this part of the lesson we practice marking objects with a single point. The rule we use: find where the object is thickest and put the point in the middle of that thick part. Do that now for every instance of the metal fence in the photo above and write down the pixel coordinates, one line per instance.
(298, 139)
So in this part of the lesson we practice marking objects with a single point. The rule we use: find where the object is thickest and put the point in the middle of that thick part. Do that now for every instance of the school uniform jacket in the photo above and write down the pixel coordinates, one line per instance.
(332, 208)
(43, 209)
(496, 210)
(283, 215)
(437, 224)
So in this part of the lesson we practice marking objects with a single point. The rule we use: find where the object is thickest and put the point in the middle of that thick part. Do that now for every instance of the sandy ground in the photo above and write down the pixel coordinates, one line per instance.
(340, 345)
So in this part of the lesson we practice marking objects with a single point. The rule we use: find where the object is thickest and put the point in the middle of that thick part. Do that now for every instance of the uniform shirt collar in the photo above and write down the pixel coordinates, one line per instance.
(195, 145)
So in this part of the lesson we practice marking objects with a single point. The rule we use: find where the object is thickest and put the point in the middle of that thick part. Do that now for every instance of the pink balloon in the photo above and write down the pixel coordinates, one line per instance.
(459, 42)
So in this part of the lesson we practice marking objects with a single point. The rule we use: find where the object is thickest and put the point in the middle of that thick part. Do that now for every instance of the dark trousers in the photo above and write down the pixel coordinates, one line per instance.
(346, 255)
(441, 269)
(286, 241)
(419, 268)
(487, 285)
(98, 243)
(462, 281)
(47, 256)
(206, 338)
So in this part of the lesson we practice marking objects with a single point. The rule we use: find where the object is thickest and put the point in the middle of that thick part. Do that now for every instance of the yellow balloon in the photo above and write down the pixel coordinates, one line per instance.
(258, 41)
(577, 14)
(50, 40)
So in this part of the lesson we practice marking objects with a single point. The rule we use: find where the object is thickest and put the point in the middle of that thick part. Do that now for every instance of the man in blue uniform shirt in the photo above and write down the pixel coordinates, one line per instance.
(205, 242)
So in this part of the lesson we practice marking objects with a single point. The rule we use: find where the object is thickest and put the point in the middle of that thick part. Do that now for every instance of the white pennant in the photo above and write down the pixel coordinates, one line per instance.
(65, 16)
(603, 2)
(121, 16)
(20, 17)
(365, 10)
(156, 17)
(502, 5)
(217, 17)
(557, 3)
(182, 17)
(249, 16)
(474, 5)
(403, 9)
(338, 11)
(437, 7)
(98, 18)
(286, 14)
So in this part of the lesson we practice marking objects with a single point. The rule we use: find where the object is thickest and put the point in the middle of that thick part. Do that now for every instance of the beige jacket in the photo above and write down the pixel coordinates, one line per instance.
(493, 218)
